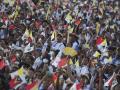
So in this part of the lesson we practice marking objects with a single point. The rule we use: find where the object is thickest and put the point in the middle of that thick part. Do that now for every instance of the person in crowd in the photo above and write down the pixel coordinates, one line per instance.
(59, 45)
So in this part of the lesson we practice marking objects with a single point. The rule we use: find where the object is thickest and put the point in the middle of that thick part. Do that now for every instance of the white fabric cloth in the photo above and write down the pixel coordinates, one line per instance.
(28, 48)
(77, 69)
(57, 59)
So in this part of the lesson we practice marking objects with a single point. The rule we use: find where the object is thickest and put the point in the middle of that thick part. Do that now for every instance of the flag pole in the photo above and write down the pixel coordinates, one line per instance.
(48, 11)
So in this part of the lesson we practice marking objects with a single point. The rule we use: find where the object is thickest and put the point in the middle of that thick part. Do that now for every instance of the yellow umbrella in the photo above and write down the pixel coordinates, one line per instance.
(70, 51)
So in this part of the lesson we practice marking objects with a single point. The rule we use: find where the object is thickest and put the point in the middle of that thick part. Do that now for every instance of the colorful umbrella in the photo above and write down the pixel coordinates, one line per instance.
(70, 51)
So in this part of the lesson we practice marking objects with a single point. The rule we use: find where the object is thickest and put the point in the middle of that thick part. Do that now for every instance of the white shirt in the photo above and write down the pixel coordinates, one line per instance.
(75, 46)
(44, 47)
(37, 63)
(57, 46)
(84, 70)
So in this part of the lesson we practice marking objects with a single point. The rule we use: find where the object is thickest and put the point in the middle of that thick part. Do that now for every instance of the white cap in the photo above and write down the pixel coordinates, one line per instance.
(45, 60)
(43, 34)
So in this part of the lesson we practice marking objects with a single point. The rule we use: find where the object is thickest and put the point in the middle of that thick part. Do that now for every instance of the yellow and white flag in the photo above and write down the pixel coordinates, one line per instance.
(97, 27)
(10, 2)
(20, 72)
(15, 13)
(31, 35)
(96, 54)
(68, 18)
(26, 34)
(104, 43)
(70, 62)
(70, 29)
(54, 35)
(77, 63)
(6, 1)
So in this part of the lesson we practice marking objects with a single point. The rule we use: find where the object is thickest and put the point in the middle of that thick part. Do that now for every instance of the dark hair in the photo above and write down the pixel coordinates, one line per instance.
(69, 85)
(117, 69)
(116, 87)
(118, 79)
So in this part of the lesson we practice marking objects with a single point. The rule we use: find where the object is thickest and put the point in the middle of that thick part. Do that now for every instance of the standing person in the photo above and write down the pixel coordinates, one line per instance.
(116, 86)
(74, 41)
(57, 45)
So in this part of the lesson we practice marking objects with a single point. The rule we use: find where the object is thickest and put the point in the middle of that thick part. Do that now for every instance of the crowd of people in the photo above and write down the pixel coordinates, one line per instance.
(59, 45)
